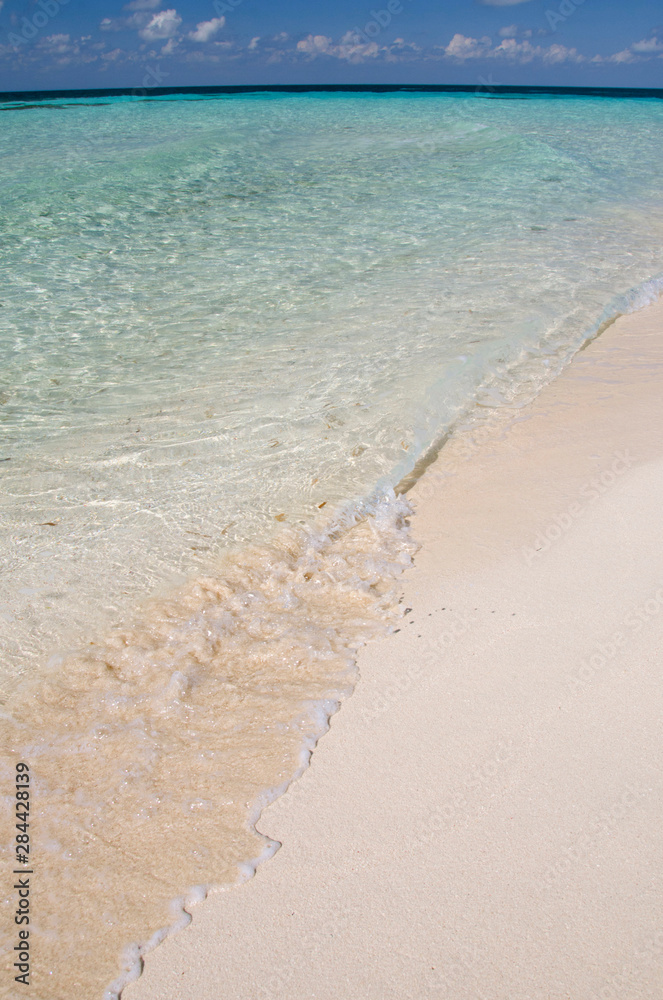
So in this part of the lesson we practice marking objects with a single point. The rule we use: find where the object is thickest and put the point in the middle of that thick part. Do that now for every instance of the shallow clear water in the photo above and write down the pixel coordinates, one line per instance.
(225, 318)
(216, 312)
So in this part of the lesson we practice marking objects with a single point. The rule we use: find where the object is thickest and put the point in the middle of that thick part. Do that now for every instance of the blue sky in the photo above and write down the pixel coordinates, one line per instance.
(52, 44)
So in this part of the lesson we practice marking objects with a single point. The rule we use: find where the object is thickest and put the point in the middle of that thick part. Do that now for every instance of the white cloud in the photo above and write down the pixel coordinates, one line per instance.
(349, 47)
(559, 53)
(625, 56)
(161, 25)
(522, 52)
(142, 5)
(400, 43)
(463, 47)
(112, 56)
(641, 51)
(315, 44)
(401, 51)
(647, 45)
(207, 29)
(169, 47)
(356, 52)
(253, 44)
(135, 21)
(57, 44)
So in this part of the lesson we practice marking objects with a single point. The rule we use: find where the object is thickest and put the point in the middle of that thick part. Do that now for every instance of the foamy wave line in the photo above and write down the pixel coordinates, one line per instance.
(134, 731)
(503, 390)
(635, 299)
(135, 954)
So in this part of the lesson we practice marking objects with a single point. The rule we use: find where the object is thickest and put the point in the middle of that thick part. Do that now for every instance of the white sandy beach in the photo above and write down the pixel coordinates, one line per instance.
(483, 819)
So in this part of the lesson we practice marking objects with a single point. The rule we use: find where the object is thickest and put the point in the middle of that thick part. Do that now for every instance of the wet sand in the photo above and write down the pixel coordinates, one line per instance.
(483, 818)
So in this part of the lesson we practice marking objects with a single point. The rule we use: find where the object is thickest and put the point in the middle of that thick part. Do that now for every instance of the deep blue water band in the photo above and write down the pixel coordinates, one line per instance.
(365, 88)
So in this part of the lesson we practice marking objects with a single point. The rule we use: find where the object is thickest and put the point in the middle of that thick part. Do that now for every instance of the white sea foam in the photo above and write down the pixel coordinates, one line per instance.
(153, 746)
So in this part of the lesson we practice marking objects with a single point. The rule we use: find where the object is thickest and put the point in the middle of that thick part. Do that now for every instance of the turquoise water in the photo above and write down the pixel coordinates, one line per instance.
(227, 327)
(219, 311)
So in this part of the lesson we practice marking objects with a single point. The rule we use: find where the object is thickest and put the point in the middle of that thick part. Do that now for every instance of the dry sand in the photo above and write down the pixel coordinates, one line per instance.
(484, 818)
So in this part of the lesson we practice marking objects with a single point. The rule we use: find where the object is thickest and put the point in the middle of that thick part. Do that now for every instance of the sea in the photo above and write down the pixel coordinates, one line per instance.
(232, 326)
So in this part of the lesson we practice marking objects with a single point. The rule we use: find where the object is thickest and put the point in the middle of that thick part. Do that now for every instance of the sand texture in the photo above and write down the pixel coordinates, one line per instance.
(483, 819)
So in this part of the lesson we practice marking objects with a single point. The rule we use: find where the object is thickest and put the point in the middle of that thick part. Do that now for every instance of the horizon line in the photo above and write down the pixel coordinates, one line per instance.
(480, 90)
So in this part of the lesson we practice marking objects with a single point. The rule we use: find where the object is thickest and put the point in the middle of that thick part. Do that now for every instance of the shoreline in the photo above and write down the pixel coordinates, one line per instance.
(634, 300)
(485, 508)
